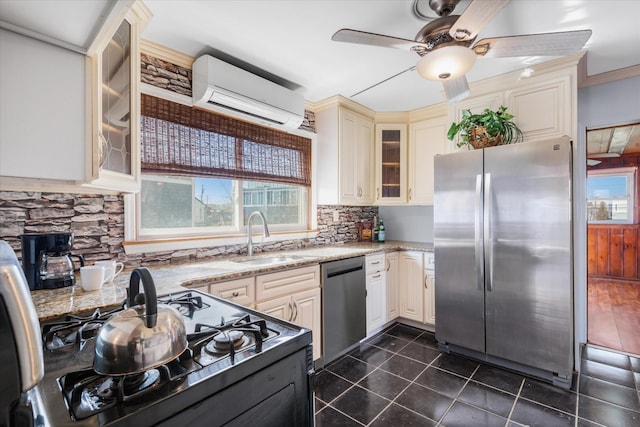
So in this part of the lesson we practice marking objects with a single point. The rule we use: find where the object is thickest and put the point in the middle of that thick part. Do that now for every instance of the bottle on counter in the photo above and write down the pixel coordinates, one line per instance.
(381, 232)
(374, 230)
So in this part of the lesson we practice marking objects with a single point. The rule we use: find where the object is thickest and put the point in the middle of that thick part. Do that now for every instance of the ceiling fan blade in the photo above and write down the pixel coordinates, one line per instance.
(456, 89)
(382, 81)
(372, 39)
(475, 17)
(547, 44)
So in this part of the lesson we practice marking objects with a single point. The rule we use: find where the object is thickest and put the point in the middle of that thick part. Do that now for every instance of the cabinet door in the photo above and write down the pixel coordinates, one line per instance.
(410, 285)
(307, 313)
(281, 308)
(391, 282)
(429, 297)
(542, 110)
(376, 296)
(240, 291)
(115, 72)
(427, 139)
(355, 158)
(391, 164)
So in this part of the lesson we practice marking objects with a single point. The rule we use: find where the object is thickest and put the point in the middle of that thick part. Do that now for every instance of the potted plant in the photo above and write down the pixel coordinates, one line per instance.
(486, 129)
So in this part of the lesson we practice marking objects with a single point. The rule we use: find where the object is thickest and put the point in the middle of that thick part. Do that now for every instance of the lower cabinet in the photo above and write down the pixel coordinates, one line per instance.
(429, 289)
(376, 292)
(391, 279)
(410, 293)
(295, 296)
(240, 291)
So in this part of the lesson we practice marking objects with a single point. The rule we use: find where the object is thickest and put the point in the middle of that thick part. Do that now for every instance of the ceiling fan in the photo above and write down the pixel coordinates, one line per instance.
(446, 44)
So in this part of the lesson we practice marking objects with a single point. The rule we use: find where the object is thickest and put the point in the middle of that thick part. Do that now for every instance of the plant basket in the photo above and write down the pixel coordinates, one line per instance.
(480, 139)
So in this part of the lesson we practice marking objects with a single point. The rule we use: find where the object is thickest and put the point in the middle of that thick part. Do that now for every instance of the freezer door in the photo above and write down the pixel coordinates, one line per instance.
(458, 249)
(528, 254)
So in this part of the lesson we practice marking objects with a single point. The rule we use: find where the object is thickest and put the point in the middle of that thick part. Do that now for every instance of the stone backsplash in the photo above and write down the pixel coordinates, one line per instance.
(97, 222)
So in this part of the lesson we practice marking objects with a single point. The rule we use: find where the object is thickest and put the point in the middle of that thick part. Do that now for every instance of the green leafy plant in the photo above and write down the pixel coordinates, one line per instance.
(486, 129)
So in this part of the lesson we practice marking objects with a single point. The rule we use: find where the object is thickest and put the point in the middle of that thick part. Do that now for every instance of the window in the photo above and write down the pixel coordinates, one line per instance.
(610, 196)
(203, 174)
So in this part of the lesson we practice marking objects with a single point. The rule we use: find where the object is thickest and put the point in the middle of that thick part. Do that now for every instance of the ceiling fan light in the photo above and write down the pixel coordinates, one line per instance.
(449, 62)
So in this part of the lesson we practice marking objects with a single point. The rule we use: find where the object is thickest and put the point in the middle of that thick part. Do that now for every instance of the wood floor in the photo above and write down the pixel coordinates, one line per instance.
(614, 314)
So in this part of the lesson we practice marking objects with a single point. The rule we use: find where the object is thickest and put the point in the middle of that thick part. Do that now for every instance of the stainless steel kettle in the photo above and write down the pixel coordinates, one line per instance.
(142, 337)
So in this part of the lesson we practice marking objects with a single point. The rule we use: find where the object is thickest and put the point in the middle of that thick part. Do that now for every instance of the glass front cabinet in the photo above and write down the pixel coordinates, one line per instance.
(391, 164)
(114, 65)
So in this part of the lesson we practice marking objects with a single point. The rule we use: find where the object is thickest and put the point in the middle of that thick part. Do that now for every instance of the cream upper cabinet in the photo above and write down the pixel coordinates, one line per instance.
(113, 161)
(391, 164)
(42, 111)
(427, 138)
(345, 157)
(391, 282)
(410, 285)
(542, 110)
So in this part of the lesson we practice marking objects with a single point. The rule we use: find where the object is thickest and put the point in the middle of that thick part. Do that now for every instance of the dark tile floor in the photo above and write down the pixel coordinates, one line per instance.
(399, 378)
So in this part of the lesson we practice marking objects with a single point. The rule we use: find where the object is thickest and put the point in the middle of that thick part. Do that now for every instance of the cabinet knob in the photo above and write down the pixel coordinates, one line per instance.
(236, 293)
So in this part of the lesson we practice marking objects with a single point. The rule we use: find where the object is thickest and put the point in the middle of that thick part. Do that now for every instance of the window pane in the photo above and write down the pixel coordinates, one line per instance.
(179, 202)
(279, 202)
(610, 198)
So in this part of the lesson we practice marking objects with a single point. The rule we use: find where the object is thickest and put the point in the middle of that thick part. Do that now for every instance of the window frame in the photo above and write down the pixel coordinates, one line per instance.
(136, 243)
(631, 176)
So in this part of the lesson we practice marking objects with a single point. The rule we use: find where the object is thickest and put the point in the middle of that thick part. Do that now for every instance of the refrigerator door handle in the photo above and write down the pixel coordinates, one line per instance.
(478, 234)
(488, 240)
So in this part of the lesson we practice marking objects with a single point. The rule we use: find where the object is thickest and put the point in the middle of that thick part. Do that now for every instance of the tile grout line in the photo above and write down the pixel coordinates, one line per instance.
(515, 402)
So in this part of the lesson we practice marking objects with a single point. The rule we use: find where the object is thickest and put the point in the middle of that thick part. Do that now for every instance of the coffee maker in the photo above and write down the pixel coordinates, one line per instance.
(47, 260)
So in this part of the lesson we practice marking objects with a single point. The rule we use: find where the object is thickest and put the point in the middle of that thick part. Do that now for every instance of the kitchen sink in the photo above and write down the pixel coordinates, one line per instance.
(270, 260)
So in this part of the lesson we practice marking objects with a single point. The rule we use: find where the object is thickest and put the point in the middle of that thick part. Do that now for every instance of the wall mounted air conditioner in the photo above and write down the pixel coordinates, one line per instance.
(227, 89)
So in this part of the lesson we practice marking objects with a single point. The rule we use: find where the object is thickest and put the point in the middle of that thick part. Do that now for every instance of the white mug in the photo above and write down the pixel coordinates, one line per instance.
(111, 269)
(91, 277)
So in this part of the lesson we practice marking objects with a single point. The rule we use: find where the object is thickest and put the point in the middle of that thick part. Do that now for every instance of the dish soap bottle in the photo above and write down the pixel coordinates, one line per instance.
(381, 232)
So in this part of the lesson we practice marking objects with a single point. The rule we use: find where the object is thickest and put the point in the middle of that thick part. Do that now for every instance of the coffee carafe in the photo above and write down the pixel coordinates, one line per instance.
(47, 260)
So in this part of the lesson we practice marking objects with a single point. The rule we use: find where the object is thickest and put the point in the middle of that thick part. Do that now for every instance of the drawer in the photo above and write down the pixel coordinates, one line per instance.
(240, 291)
(287, 282)
(374, 263)
(429, 263)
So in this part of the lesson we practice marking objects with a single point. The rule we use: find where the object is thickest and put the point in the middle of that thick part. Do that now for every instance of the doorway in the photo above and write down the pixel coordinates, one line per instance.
(613, 237)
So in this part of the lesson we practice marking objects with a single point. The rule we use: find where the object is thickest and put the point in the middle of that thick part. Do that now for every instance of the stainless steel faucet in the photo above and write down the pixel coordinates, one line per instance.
(265, 230)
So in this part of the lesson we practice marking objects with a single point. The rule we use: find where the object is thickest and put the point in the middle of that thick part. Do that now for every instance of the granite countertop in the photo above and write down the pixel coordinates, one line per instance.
(52, 303)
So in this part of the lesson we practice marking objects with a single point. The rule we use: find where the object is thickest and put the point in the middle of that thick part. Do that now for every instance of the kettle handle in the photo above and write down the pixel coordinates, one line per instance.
(150, 296)
(80, 258)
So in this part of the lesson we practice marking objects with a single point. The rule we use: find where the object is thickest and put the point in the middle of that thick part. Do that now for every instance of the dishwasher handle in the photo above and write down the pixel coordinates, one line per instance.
(338, 268)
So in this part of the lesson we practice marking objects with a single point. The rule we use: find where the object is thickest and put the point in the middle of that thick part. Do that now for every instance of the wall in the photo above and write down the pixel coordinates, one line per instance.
(598, 106)
(409, 223)
(97, 222)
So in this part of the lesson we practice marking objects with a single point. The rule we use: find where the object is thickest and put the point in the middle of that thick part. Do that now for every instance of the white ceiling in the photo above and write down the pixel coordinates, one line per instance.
(290, 41)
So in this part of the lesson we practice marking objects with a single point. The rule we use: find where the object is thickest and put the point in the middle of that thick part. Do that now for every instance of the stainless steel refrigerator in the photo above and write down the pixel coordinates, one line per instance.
(503, 256)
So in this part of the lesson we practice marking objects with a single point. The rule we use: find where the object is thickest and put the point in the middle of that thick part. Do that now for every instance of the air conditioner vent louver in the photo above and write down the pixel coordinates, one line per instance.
(221, 87)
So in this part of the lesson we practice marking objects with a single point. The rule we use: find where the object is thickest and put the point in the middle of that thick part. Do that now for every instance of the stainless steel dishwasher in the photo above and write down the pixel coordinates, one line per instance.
(343, 306)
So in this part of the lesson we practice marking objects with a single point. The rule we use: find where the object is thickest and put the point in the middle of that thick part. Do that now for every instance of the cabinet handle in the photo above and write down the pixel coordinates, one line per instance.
(359, 191)
(375, 262)
(236, 293)
(375, 276)
(388, 266)
(295, 307)
(410, 190)
(425, 281)
(290, 312)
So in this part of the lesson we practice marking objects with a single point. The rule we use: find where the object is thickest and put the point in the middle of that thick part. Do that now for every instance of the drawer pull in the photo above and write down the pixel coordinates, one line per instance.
(375, 276)
(236, 294)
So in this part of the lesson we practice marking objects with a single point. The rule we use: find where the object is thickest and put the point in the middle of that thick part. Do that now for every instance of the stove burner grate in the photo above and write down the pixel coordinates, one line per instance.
(187, 303)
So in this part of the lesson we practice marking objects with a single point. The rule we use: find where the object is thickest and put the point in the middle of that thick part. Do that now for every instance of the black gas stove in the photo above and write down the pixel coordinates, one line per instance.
(240, 366)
